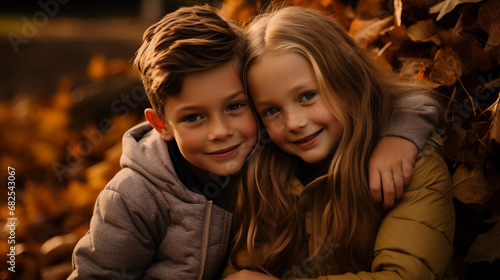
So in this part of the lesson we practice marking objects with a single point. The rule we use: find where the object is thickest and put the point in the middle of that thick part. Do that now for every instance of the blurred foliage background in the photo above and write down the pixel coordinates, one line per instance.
(68, 93)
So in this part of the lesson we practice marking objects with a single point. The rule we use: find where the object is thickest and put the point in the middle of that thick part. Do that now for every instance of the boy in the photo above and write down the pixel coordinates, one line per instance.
(166, 214)
(156, 218)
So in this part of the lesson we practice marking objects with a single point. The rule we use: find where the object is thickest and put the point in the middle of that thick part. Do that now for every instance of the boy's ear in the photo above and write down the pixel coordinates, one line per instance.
(158, 124)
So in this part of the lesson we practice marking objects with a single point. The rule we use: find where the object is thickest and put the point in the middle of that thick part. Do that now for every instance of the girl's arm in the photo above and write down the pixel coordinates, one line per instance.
(414, 119)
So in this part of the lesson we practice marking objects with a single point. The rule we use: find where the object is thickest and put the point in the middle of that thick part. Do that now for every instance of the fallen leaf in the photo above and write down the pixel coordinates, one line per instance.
(447, 67)
(486, 246)
(494, 131)
(488, 13)
(447, 6)
(469, 185)
(367, 31)
(424, 31)
(494, 38)
(398, 9)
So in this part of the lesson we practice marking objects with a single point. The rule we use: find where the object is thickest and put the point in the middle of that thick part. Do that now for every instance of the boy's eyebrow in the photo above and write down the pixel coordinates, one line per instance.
(234, 95)
(230, 97)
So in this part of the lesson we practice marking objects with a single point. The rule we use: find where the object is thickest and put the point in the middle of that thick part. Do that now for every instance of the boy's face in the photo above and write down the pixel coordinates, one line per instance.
(211, 120)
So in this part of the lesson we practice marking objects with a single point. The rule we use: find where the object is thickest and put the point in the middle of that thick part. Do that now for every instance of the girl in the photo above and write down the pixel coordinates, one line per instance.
(305, 210)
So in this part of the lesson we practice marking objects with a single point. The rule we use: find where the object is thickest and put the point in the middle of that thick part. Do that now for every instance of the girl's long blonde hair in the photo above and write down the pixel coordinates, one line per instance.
(361, 95)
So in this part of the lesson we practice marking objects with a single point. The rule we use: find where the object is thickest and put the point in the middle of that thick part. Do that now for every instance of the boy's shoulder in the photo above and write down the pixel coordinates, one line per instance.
(131, 188)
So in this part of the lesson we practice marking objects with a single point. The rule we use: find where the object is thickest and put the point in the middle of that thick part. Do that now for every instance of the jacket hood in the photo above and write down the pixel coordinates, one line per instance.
(145, 152)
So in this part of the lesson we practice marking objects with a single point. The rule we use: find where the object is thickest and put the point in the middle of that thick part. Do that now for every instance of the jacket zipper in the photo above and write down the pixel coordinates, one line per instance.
(206, 232)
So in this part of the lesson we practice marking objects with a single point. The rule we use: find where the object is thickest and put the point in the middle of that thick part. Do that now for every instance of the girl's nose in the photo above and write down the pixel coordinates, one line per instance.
(296, 121)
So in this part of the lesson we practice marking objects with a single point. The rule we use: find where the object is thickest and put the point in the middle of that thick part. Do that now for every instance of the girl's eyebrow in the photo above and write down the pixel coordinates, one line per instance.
(307, 85)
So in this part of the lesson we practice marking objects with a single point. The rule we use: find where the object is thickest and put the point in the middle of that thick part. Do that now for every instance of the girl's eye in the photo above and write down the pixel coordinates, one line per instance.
(235, 106)
(271, 111)
(191, 118)
(308, 96)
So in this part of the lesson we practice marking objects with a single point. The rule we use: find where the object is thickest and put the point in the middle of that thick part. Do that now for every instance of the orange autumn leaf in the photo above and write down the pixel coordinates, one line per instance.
(367, 31)
(469, 185)
(447, 67)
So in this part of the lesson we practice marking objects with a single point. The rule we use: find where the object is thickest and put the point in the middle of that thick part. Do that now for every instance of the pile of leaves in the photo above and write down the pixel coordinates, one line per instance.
(63, 157)
(65, 151)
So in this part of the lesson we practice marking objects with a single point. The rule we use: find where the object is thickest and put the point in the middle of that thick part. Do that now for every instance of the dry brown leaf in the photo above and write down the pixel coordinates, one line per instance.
(494, 132)
(447, 67)
(424, 31)
(494, 38)
(398, 9)
(486, 247)
(447, 6)
(470, 186)
(488, 13)
(367, 31)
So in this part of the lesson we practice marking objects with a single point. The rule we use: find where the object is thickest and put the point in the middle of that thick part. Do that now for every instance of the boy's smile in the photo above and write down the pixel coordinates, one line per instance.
(211, 120)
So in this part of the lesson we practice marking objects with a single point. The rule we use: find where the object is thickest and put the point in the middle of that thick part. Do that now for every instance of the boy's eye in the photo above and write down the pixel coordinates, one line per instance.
(308, 96)
(191, 118)
(271, 111)
(234, 106)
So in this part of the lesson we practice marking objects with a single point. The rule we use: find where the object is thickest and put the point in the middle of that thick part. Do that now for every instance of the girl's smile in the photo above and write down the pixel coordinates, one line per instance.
(308, 141)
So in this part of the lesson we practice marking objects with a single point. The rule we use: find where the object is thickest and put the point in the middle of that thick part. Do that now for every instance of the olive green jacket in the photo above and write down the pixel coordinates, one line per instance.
(415, 238)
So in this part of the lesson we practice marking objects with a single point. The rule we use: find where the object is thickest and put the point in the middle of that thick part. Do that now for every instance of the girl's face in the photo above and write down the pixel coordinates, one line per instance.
(285, 92)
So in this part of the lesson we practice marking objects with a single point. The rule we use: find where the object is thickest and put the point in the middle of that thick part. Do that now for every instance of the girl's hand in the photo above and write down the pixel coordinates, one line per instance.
(390, 169)
(248, 274)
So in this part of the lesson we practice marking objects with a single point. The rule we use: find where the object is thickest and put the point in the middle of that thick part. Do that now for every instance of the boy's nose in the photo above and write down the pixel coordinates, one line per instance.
(220, 129)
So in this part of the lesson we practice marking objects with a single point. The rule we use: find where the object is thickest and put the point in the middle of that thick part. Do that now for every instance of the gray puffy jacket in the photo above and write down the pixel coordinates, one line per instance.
(148, 225)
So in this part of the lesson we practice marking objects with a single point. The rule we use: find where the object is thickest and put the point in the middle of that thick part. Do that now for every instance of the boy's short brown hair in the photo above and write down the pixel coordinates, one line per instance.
(189, 40)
